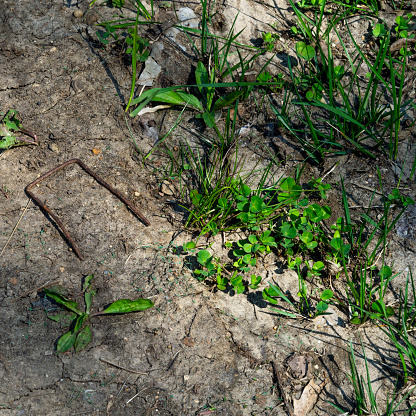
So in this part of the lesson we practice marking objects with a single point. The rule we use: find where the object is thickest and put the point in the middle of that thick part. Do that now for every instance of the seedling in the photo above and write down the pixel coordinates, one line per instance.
(379, 30)
(269, 39)
(403, 26)
(80, 335)
(8, 129)
(276, 83)
(206, 260)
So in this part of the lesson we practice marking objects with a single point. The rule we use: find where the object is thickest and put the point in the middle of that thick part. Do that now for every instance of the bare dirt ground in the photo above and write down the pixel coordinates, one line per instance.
(196, 352)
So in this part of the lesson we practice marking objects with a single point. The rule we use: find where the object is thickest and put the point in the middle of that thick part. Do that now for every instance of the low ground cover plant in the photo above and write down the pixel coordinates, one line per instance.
(80, 334)
(296, 231)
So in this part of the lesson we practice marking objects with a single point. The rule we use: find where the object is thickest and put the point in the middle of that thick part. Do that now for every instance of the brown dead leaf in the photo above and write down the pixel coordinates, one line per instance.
(307, 401)
(13, 281)
(188, 341)
(96, 151)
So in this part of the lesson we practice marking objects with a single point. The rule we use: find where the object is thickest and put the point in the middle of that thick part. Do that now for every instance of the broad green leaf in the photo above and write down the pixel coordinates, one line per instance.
(201, 75)
(243, 217)
(223, 203)
(243, 206)
(326, 212)
(378, 306)
(195, 197)
(209, 119)
(268, 298)
(63, 317)
(167, 97)
(306, 237)
(312, 245)
(245, 190)
(126, 306)
(336, 243)
(317, 213)
(66, 342)
(255, 247)
(236, 280)
(189, 246)
(255, 280)
(87, 282)
(204, 256)
(62, 300)
(88, 301)
(379, 30)
(83, 339)
(227, 100)
(385, 272)
(288, 231)
(239, 289)
(78, 324)
(305, 51)
(265, 235)
(318, 266)
(247, 258)
(247, 248)
(346, 249)
(279, 293)
(290, 190)
(256, 204)
(327, 294)
(322, 306)
(252, 238)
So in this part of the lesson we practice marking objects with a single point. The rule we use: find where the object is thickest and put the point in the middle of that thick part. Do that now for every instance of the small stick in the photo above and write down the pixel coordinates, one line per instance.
(55, 217)
(141, 391)
(173, 360)
(122, 387)
(123, 368)
(363, 207)
(48, 283)
(330, 171)
(279, 382)
(14, 229)
(367, 188)
(35, 140)
(395, 46)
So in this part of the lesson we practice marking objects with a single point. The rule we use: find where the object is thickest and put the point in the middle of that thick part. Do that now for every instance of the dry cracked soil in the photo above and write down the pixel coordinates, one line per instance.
(197, 351)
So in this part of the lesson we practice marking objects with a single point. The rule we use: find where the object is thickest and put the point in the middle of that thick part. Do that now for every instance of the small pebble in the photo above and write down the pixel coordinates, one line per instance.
(54, 147)
(91, 19)
(78, 13)
(165, 188)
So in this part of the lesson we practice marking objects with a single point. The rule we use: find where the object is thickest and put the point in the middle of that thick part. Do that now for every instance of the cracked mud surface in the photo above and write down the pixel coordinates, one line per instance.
(196, 352)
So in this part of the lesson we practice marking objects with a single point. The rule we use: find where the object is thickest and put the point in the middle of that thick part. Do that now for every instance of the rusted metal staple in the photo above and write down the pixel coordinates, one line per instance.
(55, 217)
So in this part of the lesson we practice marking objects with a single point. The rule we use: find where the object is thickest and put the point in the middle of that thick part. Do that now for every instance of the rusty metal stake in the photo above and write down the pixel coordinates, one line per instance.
(55, 217)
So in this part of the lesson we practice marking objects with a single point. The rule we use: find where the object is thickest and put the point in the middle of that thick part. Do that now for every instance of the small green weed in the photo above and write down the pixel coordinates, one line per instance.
(80, 333)
(116, 30)
(270, 39)
(8, 129)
